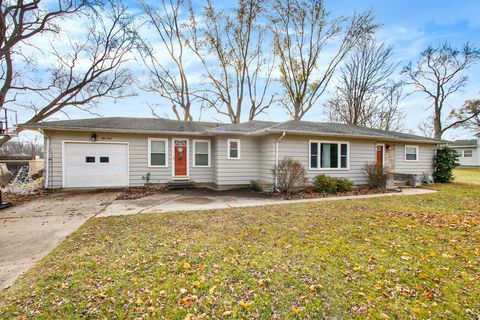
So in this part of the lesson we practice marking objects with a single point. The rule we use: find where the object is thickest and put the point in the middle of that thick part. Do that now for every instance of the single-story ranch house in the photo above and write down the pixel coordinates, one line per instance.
(119, 151)
(468, 151)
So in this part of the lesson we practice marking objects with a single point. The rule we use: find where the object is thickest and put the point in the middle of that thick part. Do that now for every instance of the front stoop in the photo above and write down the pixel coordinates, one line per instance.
(180, 184)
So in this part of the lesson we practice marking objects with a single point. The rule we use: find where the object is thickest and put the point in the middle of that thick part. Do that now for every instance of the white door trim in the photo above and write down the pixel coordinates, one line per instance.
(96, 142)
(173, 159)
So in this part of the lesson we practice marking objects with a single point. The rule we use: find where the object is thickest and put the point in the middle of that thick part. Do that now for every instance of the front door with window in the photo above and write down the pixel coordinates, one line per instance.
(180, 154)
(379, 155)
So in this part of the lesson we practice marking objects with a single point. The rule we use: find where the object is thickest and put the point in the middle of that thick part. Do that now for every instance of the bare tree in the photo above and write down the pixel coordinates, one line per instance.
(438, 74)
(302, 29)
(92, 69)
(169, 79)
(231, 49)
(32, 148)
(366, 95)
(21, 21)
(468, 116)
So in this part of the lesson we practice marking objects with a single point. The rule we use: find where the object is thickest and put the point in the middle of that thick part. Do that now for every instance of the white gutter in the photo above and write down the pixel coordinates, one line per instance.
(276, 155)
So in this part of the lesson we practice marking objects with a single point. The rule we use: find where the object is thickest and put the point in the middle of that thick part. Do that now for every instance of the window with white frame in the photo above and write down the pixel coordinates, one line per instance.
(157, 152)
(328, 155)
(459, 153)
(411, 153)
(233, 148)
(201, 151)
(467, 153)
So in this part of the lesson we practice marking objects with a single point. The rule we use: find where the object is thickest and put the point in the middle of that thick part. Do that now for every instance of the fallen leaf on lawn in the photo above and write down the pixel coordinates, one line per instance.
(227, 313)
(186, 265)
(416, 310)
(432, 254)
(244, 304)
(295, 310)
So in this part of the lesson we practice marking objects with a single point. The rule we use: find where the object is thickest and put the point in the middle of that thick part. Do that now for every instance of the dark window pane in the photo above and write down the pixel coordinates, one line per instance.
(201, 159)
(104, 159)
(343, 157)
(314, 155)
(333, 155)
(233, 153)
(157, 159)
(411, 156)
(90, 159)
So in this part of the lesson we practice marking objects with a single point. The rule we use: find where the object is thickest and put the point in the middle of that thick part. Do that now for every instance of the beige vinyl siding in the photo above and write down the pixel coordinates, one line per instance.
(472, 161)
(360, 152)
(267, 158)
(138, 157)
(237, 171)
(424, 163)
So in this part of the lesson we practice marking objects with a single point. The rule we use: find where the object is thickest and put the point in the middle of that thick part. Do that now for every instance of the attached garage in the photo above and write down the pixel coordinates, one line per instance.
(87, 164)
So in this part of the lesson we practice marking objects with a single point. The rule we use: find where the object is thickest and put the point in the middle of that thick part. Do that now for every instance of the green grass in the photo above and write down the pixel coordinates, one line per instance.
(467, 175)
(395, 257)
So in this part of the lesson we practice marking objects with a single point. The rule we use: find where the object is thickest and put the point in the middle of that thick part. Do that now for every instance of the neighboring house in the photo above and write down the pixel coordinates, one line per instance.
(114, 152)
(468, 151)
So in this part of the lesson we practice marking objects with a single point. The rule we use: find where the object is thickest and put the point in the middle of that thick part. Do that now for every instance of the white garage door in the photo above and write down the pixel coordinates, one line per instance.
(95, 165)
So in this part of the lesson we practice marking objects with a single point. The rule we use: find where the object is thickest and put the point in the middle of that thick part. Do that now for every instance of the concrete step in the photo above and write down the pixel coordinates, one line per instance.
(180, 184)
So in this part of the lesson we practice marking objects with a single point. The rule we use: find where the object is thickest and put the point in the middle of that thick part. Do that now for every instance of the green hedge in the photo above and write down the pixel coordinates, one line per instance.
(323, 183)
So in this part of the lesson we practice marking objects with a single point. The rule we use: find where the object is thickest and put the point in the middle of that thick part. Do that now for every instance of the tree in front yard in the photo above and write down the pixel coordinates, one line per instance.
(439, 74)
(446, 160)
(288, 174)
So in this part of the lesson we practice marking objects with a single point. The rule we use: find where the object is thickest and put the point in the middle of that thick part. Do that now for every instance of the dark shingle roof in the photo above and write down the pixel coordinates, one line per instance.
(464, 143)
(128, 124)
(309, 127)
(244, 127)
(158, 125)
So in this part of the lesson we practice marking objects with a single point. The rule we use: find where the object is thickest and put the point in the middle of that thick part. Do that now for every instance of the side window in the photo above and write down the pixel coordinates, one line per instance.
(314, 155)
(233, 148)
(467, 153)
(104, 159)
(411, 153)
(157, 149)
(89, 159)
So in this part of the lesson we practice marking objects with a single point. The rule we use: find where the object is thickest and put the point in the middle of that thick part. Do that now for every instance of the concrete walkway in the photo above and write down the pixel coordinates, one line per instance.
(190, 200)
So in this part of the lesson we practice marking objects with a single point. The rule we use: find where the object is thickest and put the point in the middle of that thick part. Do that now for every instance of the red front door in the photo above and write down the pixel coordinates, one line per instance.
(181, 157)
(379, 156)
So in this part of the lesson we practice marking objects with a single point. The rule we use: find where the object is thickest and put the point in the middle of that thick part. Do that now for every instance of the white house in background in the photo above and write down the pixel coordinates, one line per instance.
(468, 151)
(119, 152)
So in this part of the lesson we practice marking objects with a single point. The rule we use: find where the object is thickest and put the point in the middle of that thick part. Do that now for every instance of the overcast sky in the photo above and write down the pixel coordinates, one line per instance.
(408, 25)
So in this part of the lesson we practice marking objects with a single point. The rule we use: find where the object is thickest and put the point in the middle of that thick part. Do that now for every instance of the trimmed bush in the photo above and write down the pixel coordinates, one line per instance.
(376, 177)
(289, 174)
(446, 159)
(324, 183)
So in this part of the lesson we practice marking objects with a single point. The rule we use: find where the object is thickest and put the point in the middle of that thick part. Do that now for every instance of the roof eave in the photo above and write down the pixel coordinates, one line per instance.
(297, 132)
(112, 130)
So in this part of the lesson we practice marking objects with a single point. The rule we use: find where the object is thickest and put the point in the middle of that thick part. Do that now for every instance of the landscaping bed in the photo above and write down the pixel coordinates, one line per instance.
(397, 258)
(133, 193)
(310, 193)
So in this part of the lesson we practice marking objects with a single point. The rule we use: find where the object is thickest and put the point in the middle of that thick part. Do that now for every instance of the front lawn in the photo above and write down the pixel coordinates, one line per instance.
(396, 257)
(467, 175)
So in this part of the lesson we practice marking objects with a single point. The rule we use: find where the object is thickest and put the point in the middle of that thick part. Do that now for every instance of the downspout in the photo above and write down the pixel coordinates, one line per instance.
(276, 156)
(47, 161)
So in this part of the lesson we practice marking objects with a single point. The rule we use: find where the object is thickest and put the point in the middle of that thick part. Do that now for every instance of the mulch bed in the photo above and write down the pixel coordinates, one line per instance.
(311, 193)
(133, 193)
(16, 198)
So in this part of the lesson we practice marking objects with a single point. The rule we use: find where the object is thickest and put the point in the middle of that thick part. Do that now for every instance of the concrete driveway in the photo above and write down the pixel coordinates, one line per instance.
(30, 231)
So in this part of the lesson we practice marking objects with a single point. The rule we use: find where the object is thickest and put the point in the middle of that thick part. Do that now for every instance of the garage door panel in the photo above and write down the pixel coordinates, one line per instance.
(79, 172)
